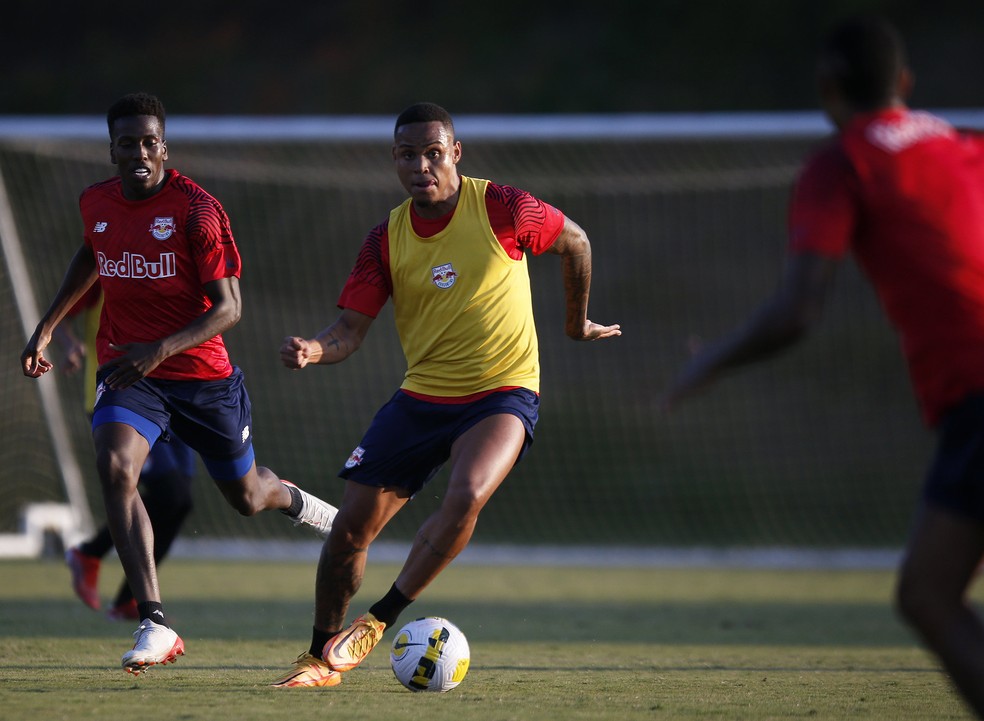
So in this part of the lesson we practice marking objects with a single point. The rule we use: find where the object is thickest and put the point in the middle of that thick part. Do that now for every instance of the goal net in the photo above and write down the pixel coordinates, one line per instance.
(822, 447)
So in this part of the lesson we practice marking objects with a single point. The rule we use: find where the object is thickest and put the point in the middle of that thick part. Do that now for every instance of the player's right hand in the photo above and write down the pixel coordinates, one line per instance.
(33, 362)
(295, 353)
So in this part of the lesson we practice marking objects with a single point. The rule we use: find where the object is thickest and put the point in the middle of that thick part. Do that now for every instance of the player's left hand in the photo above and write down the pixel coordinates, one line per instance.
(592, 331)
(138, 361)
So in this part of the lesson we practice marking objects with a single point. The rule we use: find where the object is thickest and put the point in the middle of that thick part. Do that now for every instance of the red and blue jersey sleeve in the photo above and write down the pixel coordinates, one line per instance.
(824, 209)
(369, 285)
(521, 221)
(210, 241)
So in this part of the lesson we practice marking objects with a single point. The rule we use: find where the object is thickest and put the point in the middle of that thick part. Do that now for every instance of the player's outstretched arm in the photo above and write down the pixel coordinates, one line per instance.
(573, 247)
(81, 274)
(332, 345)
(781, 321)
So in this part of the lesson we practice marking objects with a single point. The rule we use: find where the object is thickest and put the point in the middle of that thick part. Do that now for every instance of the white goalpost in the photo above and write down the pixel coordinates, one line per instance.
(686, 214)
(71, 520)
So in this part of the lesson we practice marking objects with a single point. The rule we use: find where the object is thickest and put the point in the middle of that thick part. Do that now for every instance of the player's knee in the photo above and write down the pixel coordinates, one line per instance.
(348, 537)
(463, 503)
(116, 470)
(919, 601)
(246, 500)
(907, 600)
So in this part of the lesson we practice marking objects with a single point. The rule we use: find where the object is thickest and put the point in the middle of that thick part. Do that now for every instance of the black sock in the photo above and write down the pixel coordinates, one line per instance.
(318, 641)
(390, 606)
(152, 610)
(296, 502)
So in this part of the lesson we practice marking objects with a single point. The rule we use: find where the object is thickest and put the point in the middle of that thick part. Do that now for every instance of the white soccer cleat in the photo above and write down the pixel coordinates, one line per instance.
(314, 512)
(154, 644)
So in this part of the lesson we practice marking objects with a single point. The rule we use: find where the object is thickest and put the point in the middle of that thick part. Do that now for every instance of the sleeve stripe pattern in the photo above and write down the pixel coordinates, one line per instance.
(528, 212)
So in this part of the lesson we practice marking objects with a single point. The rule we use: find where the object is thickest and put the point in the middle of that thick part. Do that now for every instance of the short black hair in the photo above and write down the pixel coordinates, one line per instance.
(135, 104)
(425, 113)
(863, 56)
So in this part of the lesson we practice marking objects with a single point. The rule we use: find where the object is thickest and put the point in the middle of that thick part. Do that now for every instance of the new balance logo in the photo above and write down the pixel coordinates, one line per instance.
(134, 265)
(100, 227)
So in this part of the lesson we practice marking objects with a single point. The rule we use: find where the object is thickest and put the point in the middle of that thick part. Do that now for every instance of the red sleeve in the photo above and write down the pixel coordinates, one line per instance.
(824, 209)
(369, 285)
(520, 221)
(210, 240)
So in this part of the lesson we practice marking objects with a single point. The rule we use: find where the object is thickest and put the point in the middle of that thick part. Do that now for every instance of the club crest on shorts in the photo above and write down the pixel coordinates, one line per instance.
(443, 276)
(162, 228)
(356, 457)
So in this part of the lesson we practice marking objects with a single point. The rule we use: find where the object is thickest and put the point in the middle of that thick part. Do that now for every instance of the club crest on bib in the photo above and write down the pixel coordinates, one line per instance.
(162, 228)
(443, 276)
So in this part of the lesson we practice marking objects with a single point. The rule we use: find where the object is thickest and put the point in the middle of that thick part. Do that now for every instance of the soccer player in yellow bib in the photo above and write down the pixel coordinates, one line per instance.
(453, 259)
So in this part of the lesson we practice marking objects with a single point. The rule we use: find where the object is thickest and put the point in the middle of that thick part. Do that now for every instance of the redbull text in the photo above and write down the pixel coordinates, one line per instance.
(134, 265)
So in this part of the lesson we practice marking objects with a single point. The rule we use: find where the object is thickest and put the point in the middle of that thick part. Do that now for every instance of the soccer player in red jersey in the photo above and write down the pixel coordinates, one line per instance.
(904, 191)
(453, 259)
(163, 252)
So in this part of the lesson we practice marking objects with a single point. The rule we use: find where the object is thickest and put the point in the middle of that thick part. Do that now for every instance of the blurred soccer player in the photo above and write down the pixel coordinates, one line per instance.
(165, 478)
(904, 191)
(452, 257)
(163, 252)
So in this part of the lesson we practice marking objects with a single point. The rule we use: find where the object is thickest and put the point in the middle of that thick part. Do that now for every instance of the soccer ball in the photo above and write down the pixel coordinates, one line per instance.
(430, 654)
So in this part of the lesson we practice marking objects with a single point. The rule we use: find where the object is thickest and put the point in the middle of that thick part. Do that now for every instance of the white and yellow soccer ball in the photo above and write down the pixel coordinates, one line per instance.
(430, 654)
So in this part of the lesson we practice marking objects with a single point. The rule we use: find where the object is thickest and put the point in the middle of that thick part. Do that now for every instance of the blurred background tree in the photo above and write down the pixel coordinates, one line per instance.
(511, 56)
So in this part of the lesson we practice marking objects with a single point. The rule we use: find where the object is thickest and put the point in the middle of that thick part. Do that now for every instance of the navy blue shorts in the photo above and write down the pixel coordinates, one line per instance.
(955, 480)
(213, 417)
(409, 440)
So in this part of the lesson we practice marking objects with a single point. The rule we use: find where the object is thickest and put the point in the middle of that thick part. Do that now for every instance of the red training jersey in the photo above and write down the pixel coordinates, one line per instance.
(154, 257)
(904, 191)
(519, 221)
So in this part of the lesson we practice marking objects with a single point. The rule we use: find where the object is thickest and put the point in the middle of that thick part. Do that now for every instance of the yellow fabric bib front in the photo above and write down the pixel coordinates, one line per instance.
(463, 307)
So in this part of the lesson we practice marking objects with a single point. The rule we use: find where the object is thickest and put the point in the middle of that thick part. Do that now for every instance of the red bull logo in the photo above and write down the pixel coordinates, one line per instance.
(443, 276)
(134, 265)
(162, 228)
(356, 457)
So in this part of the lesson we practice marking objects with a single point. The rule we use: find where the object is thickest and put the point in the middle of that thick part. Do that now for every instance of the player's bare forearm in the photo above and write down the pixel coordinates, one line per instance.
(780, 322)
(332, 345)
(575, 250)
(577, 288)
(81, 274)
(763, 336)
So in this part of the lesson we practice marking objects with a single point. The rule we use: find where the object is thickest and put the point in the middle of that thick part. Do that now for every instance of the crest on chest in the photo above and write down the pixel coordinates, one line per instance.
(443, 276)
(162, 228)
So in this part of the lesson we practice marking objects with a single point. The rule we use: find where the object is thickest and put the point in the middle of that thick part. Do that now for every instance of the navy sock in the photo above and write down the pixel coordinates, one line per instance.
(296, 502)
(389, 607)
(152, 610)
(318, 641)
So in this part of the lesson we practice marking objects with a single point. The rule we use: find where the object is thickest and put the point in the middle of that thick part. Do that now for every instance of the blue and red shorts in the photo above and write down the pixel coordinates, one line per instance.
(409, 440)
(213, 417)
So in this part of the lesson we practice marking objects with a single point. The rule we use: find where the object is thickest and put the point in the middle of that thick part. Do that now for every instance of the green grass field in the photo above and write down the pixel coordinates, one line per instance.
(557, 643)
